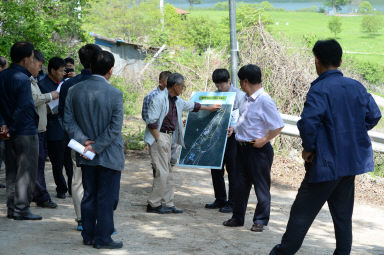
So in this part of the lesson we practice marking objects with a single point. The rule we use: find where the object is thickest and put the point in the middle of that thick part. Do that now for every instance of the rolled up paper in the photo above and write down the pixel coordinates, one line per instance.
(76, 146)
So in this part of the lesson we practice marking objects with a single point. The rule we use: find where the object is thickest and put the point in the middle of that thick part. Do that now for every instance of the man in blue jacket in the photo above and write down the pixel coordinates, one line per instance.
(337, 115)
(19, 121)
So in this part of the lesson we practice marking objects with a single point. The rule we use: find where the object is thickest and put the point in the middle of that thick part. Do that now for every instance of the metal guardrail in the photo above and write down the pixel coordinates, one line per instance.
(291, 129)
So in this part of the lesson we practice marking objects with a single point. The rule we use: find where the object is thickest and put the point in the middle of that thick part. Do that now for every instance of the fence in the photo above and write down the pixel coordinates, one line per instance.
(292, 130)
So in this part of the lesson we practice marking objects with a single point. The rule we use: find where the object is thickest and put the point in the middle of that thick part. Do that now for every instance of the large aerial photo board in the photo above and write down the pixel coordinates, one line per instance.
(205, 133)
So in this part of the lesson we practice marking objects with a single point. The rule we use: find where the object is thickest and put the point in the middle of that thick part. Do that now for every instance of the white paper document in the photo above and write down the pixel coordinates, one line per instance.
(76, 146)
(54, 104)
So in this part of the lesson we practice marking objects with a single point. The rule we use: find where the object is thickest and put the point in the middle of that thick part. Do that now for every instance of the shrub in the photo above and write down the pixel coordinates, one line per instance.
(371, 24)
(222, 6)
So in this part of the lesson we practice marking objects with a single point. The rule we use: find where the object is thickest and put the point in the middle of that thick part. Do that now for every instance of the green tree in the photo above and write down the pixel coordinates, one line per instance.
(334, 25)
(336, 4)
(192, 2)
(247, 15)
(54, 27)
(133, 21)
(365, 7)
(266, 6)
(371, 24)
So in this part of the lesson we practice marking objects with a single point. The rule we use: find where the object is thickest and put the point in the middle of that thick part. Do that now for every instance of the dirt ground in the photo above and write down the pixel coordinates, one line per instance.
(197, 230)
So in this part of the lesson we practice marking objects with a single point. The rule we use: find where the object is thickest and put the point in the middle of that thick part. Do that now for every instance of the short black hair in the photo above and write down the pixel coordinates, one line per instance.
(102, 63)
(220, 75)
(38, 56)
(69, 60)
(328, 52)
(55, 63)
(87, 54)
(173, 79)
(164, 75)
(21, 50)
(3, 61)
(250, 72)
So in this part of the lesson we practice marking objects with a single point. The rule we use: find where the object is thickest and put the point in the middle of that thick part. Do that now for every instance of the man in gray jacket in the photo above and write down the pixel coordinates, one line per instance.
(165, 124)
(94, 117)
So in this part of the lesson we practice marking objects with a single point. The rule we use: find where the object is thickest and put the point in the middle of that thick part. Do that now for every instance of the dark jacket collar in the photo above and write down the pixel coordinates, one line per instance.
(86, 72)
(21, 69)
(326, 75)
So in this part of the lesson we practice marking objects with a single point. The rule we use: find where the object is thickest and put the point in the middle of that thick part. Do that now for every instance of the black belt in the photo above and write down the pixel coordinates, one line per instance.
(246, 143)
(167, 132)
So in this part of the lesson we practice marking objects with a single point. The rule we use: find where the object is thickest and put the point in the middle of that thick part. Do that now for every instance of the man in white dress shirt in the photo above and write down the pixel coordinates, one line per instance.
(258, 123)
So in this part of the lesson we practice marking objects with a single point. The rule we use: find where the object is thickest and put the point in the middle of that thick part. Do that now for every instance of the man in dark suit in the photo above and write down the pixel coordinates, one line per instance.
(19, 121)
(334, 128)
(58, 152)
(94, 117)
(86, 54)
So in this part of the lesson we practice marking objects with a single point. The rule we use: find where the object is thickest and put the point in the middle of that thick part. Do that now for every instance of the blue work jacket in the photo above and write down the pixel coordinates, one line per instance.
(17, 109)
(334, 124)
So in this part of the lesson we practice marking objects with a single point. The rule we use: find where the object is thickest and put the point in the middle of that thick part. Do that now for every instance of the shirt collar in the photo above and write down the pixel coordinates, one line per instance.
(21, 69)
(169, 96)
(33, 79)
(255, 95)
(325, 75)
(100, 76)
(232, 88)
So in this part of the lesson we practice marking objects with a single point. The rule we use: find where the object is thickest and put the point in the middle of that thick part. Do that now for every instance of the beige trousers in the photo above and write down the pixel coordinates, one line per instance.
(77, 186)
(163, 187)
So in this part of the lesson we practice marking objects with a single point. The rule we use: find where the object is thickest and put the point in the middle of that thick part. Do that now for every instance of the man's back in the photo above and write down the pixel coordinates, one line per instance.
(98, 111)
(335, 120)
(16, 104)
(85, 74)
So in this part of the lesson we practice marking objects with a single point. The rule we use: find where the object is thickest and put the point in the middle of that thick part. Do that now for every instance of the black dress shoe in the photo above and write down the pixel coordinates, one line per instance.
(47, 204)
(26, 215)
(175, 210)
(60, 195)
(112, 245)
(226, 209)
(88, 242)
(232, 223)
(159, 209)
(257, 228)
(215, 205)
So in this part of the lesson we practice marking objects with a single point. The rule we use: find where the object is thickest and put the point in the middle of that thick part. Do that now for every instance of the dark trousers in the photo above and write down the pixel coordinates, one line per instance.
(309, 200)
(41, 193)
(218, 175)
(101, 195)
(21, 156)
(2, 152)
(254, 166)
(60, 155)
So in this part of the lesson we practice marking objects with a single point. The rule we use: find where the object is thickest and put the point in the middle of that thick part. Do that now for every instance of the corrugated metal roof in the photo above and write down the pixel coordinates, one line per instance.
(109, 42)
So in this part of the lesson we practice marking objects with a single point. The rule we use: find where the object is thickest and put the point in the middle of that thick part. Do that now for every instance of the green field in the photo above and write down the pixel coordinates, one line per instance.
(295, 25)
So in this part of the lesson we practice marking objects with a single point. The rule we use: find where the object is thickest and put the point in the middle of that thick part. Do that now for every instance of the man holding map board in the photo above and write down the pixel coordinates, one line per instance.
(165, 121)
(223, 84)
(258, 123)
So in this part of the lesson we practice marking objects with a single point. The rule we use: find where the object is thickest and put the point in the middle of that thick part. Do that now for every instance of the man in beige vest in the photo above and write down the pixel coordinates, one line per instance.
(40, 194)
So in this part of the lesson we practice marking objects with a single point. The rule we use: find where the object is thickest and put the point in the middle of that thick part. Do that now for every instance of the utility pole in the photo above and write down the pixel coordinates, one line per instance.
(234, 45)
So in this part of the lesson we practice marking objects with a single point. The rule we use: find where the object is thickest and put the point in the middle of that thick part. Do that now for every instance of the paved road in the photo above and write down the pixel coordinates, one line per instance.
(196, 231)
